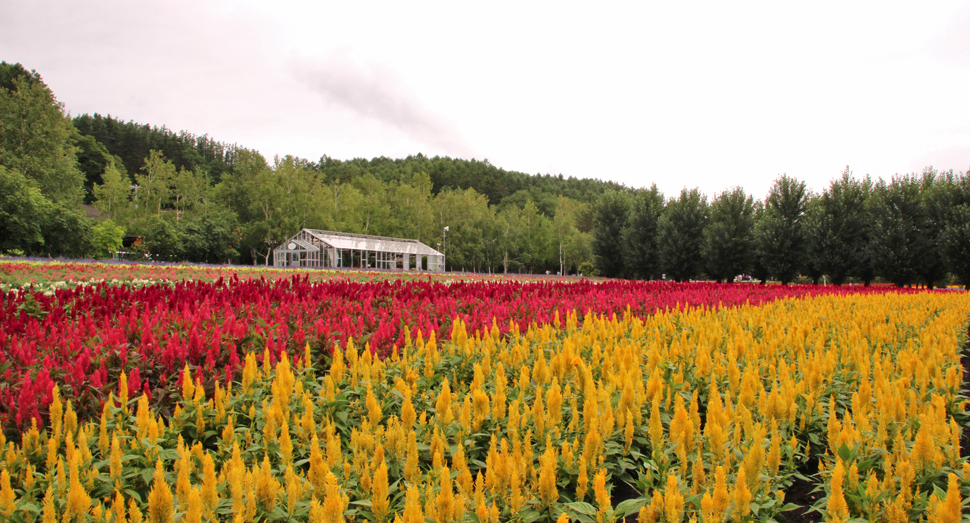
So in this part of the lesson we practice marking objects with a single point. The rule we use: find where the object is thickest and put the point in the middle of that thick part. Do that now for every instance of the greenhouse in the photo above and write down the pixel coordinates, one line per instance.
(329, 249)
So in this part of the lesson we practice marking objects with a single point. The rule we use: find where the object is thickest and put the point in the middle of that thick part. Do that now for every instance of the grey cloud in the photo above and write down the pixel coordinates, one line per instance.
(377, 93)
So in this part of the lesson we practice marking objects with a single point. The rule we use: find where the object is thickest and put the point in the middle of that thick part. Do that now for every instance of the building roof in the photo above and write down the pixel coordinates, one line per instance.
(365, 242)
(298, 245)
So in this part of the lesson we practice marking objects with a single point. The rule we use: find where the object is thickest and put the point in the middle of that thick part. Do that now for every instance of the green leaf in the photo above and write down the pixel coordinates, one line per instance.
(581, 507)
(630, 506)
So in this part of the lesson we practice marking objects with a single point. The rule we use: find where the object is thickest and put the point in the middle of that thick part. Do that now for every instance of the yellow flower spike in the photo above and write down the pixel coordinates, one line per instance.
(29, 477)
(49, 512)
(412, 505)
(443, 414)
(193, 513)
(673, 501)
(210, 497)
(118, 508)
(548, 492)
(601, 495)
(8, 497)
(134, 513)
(104, 442)
(160, 499)
(445, 501)
(78, 501)
(188, 386)
(837, 506)
(656, 428)
(707, 509)
(286, 443)
(582, 481)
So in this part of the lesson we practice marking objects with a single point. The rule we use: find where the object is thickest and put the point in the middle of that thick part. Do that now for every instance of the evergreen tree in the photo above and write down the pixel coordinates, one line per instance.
(956, 244)
(837, 228)
(639, 237)
(729, 236)
(680, 235)
(779, 234)
(896, 241)
(612, 210)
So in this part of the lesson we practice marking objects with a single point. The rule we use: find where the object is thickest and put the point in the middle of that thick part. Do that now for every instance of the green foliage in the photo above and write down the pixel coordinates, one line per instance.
(132, 143)
(35, 140)
(780, 235)
(728, 246)
(106, 239)
(680, 235)
(112, 195)
(897, 244)
(956, 244)
(93, 159)
(837, 228)
(640, 254)
(612, 212)
(22, 210)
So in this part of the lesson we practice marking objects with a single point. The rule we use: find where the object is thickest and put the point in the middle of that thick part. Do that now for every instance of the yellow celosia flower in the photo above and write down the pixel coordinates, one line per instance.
(78, 500)
(673, 501)
(412, 505)
(601, 495)
(837, 506)
(8, 497)
(160, 499)
(267, 486)
(50, 513)
(548, 492)
(193, 513)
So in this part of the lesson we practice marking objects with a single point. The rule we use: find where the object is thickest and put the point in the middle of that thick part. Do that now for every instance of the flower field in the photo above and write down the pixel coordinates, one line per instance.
(293, 400)
(48, 276)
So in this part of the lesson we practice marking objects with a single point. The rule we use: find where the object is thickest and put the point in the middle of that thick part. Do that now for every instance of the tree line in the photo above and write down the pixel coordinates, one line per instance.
(193, 198)
(913, 229)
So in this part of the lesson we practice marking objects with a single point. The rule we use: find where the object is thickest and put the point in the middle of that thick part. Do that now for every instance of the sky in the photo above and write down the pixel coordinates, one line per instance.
(681, 94)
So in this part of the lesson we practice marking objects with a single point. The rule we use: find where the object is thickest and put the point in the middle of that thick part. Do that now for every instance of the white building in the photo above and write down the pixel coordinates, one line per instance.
(316, 248)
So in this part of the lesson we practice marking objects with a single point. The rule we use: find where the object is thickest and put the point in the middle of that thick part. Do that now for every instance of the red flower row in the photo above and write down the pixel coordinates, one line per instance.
(83, 338)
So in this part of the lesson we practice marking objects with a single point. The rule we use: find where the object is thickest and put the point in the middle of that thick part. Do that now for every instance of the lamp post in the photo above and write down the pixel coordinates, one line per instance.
(444, 242)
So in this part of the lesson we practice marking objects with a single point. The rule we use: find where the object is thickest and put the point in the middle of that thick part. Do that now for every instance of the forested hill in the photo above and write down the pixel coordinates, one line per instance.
(131, 142)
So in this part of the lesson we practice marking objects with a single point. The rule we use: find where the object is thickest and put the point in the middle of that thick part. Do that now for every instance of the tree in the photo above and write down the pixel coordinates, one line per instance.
(162, 239)
(112, 195)
(565, 232)
(22, 212)
(639, 236)
(93, 159)
(779, 234)
(896, 241)
(106, 239)
(35, 139)
(611, 216)
(67, 233)
(153, 188)
(837, 228)
(680, 235)
(939, 194)
(729, 236)
(956, 244)
(211, 237)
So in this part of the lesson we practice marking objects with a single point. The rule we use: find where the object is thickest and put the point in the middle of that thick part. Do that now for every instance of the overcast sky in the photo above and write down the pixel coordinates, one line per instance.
(678, 94)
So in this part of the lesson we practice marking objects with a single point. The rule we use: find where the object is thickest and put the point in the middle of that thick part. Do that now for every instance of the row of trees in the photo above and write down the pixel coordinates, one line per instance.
(914, 229)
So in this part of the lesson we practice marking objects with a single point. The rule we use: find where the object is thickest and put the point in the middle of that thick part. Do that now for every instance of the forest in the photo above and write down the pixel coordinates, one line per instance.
(74, 187)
